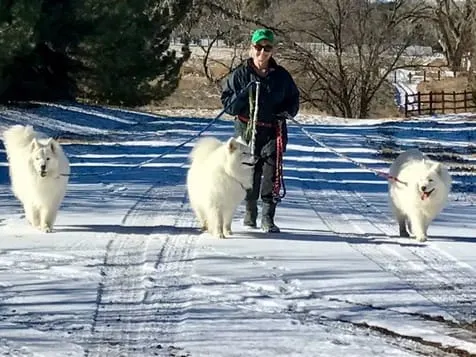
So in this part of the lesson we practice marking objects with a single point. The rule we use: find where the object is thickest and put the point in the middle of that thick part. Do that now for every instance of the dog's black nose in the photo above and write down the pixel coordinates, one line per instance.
(43, 167)
(423, 188)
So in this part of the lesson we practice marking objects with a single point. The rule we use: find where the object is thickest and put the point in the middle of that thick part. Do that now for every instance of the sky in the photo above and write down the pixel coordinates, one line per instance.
(126, 271)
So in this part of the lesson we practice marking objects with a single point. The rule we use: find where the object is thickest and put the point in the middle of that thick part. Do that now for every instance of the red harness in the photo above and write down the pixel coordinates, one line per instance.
(258, 123)
(279, 177)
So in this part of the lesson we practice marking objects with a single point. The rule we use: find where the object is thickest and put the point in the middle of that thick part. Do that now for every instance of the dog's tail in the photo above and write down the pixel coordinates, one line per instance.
(203, 148)
(18, 137)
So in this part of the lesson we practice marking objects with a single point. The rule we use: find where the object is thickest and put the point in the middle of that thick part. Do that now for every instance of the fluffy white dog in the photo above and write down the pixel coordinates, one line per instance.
(421, 195)
(219, 175)
(38, 169)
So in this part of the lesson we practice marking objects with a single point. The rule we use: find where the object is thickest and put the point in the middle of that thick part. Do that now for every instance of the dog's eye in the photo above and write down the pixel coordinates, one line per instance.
(47, 159)
(430, 180)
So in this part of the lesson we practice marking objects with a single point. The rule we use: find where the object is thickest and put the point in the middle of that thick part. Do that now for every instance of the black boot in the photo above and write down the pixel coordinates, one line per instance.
(251, 214)
(267, 218)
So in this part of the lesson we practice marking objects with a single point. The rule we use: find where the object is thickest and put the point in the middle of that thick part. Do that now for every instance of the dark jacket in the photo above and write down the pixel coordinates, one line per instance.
(278, 94)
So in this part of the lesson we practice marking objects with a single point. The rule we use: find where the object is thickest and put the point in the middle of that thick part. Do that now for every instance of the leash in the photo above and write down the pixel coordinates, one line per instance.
(175, 148)
(359, 164)
(251, 129)
(279, 177)
(254, 117)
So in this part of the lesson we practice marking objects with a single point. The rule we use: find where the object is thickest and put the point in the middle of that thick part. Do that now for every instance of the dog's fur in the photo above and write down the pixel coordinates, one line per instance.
(417, 203)
(219, 175)
(37, 165)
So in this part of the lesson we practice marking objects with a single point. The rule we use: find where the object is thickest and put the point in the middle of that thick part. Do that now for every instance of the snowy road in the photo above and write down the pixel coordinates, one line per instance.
(127, 273)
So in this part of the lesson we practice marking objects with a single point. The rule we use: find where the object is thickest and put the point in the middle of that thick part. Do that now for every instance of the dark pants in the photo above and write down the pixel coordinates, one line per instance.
(263, 179)
(265, 168)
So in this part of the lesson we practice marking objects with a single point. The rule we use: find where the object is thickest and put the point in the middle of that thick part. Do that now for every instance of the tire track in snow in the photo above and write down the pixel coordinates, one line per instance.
(400, 260)
(437, 276)
(455, 280)
(440, 278)
(134, 306)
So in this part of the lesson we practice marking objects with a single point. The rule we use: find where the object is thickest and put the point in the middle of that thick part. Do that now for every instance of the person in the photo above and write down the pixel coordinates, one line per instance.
(278, 97)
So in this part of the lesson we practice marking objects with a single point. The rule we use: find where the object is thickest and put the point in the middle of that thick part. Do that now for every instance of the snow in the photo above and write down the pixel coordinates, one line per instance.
(406, 82)
(127, 273)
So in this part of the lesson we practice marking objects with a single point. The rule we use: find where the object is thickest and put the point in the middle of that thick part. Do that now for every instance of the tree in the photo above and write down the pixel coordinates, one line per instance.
(211, 20)
(472, 69)
(114, 52)
(35, 37)
(127, 55)
(453, 22)
(348, 49)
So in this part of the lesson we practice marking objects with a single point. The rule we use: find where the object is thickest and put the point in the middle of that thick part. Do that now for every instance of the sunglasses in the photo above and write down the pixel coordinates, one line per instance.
(266, 48)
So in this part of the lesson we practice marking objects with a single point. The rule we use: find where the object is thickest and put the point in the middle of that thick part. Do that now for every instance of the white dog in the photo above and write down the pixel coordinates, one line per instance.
(38, 174)
(219, 175)
(421, 194)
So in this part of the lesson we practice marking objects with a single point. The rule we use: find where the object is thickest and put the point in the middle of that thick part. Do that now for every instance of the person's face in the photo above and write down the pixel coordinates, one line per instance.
(262, 50)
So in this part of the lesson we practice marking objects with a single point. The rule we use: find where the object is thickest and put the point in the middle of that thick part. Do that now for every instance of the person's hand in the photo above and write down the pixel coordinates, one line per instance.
(283, 115)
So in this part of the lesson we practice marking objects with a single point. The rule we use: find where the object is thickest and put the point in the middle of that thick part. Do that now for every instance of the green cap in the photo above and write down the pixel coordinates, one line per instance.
(262, 34)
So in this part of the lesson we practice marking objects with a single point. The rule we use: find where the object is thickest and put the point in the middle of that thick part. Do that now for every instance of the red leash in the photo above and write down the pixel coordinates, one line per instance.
(279, 177)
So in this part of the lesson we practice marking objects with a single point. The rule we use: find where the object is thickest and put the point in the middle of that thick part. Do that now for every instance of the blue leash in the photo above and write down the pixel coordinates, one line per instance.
(175, 148)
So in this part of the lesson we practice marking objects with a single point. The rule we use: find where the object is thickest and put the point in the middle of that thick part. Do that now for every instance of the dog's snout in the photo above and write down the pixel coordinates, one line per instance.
(43, 167)
(423, 188)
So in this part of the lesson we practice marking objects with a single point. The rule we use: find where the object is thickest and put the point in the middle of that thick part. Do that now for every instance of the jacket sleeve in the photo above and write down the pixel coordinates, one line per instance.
(233, 98)
(292, 101)
(291, 106)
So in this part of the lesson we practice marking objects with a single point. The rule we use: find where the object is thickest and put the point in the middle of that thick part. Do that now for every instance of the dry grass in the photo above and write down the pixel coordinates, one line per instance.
(457, 84)
(195, 91)
(446, 95)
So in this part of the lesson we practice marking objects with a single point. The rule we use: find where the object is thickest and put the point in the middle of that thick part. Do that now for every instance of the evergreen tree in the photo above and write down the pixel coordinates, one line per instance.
(113, 51)
(17, 19)
(127, 53)
(39, 37)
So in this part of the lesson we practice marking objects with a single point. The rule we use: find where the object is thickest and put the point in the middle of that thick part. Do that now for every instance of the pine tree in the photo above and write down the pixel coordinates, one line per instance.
(41, 36)
(17, 19)
(113, 51)
(127, 53)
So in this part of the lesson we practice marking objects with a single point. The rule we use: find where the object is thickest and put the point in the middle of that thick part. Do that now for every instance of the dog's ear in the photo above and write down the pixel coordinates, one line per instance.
(437, 167)
(34, 144)
(52, 144)
(241, 140)
(231, 145)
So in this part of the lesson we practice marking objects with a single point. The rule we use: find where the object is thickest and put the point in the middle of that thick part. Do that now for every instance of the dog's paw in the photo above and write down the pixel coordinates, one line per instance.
(404, 234)
(421, 238)
(46, 229)
(228, 232)
(219, 235)
(216, 234)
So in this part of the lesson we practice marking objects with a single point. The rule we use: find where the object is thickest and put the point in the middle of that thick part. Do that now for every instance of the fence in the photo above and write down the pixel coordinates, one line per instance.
(439, 102)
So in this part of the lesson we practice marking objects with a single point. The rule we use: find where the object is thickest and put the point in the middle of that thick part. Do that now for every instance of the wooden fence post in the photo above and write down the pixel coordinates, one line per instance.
(465, 101)
(431, 103)
(443, 102)
(419, 103)
(406, 104)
